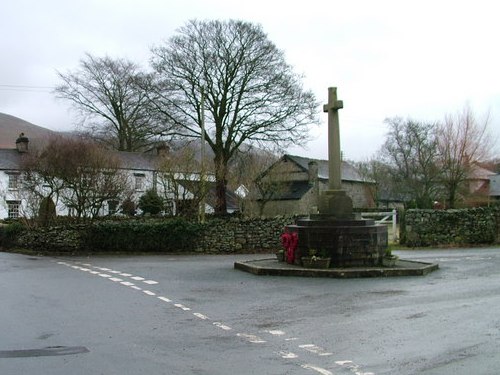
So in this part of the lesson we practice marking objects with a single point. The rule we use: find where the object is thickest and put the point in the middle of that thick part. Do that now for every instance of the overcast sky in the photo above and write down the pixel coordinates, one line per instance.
(421, 59)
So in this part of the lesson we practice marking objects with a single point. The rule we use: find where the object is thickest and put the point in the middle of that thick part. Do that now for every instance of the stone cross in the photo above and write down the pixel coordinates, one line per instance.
(334, 157)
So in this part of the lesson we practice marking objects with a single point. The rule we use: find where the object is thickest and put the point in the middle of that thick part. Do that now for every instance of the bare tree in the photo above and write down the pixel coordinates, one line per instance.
(463, 141)
(381, 173)
(411, 151)
(252, 95)
(108, 94)
(79, 173)
(180, 182)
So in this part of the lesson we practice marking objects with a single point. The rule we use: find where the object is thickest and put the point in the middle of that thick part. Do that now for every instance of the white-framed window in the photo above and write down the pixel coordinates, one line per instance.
(14, 181)
(13, 209)
(139, 181)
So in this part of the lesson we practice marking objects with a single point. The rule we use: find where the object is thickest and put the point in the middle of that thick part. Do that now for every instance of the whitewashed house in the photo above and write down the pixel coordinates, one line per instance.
(141, 171)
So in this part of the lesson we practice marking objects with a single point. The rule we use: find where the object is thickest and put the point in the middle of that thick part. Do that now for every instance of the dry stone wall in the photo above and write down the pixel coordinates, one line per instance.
(230, 235)
(452, 227)
(243, 235)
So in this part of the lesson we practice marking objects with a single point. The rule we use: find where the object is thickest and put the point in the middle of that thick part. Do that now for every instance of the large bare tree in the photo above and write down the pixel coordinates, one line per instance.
(411, 151)
(464, 141)
(109, 95)
(250, 93)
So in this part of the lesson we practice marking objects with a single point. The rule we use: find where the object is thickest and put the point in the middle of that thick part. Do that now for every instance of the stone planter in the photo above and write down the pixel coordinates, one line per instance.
(389, 261)
(316, 263)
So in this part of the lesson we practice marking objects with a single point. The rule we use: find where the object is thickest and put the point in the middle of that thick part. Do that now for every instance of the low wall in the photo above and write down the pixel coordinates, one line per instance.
(216, 236)
(242, 235)
(452, 227)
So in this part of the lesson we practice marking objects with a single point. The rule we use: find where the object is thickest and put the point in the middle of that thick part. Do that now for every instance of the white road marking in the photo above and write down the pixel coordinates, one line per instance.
(201, 316)
(315, 349)
(352, 367)
(288, 355)
(320, 370)
(182, 307)
(276, 332)
(248, 337)
(251, 338)
(222, 326)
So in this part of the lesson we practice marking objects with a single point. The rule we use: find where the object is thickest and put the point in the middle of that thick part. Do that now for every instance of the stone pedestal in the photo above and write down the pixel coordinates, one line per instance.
(349, 243)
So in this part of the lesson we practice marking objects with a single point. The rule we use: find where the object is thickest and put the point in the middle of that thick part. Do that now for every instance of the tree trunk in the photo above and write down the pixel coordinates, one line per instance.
(220, 185)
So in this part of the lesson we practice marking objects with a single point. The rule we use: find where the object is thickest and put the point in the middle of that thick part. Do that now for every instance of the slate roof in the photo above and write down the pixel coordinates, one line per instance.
(10, 159)
(349, 173)
(211, 198)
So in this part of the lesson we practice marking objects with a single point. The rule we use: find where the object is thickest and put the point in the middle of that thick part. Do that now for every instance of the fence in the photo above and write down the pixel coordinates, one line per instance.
(388, 218)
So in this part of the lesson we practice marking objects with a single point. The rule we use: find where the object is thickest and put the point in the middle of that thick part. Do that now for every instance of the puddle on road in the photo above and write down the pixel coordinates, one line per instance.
(44, 352)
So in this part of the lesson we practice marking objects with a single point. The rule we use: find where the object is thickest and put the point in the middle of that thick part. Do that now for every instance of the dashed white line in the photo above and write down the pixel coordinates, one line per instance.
(201, 316)
(248, 337)
(180, 306)
(251, 338)
(288, 355)
(320, 370)
(276, 332)
(315, 349)
(222, 326)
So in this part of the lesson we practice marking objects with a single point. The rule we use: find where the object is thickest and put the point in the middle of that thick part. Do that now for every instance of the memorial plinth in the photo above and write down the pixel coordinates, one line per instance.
(334, 231)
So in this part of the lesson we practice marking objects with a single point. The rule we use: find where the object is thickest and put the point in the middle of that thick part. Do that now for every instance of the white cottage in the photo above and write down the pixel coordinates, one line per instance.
(141, 170)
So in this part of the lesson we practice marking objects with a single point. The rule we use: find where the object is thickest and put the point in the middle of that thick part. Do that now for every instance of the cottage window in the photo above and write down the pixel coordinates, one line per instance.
(139, 182)
(14, 180)
(13, 209)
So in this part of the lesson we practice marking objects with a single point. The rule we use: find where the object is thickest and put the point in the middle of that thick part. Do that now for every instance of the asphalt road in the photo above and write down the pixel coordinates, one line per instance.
(197, 315)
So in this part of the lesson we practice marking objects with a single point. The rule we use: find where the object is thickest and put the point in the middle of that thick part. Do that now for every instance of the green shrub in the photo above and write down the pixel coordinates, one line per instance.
(9, 233)
(170, 235)
(151, 203)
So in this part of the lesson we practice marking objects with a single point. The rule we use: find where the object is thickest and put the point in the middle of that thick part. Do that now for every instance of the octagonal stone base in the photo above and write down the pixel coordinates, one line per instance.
(349, 243)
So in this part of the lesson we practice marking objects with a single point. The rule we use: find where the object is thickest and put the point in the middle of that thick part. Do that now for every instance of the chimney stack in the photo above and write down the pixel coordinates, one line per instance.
(22, 143)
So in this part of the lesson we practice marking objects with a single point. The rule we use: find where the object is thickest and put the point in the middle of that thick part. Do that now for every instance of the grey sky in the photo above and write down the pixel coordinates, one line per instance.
(423, 59)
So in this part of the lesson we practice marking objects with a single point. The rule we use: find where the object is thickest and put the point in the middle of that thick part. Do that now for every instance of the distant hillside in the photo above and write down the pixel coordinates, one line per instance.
(11, 127)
